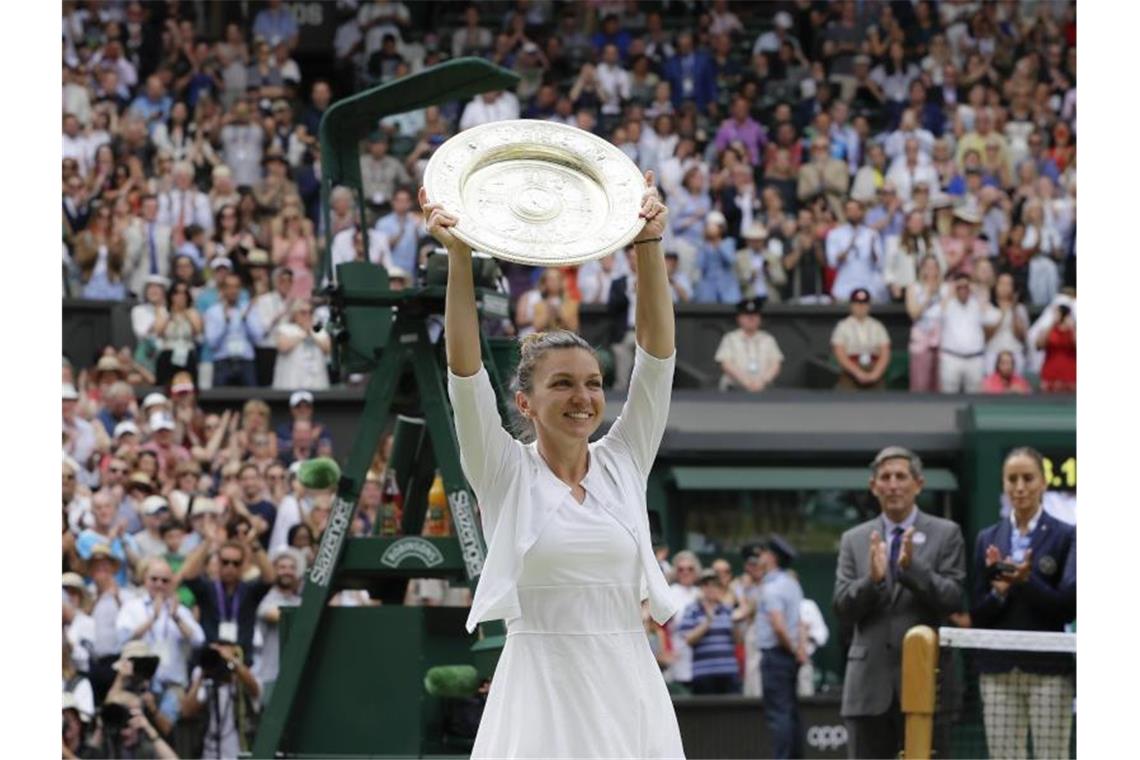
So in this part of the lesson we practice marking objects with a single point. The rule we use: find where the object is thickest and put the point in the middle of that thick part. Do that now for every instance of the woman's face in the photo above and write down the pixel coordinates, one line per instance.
(1005, 364)
(254, 419)
(180, 296)
(566, 403)
(184, 269)
(983, 272)
(915, 223)
(1003, 288)
(1023, 482)
(930, 271)
(694, 181)
(149, 465)
(155, 294)
(179, 113)
(104, 156)
(551, 283)
(102, 217)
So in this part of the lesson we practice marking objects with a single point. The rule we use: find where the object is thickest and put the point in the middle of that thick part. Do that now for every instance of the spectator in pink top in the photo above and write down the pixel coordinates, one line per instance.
(1004, 379)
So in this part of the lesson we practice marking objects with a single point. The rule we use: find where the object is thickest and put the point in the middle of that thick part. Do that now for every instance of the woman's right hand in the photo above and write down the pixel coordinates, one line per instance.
(438, 220)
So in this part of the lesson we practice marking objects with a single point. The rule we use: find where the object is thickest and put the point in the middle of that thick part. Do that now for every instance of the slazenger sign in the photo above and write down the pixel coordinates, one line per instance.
(424, 551)
(463, 516)
(335, 532)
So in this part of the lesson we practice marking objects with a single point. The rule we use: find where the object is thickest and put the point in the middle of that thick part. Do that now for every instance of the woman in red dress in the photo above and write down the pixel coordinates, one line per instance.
(1059, 372)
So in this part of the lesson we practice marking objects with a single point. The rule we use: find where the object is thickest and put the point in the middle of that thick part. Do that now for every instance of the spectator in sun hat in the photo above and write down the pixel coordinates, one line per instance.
(749, 358)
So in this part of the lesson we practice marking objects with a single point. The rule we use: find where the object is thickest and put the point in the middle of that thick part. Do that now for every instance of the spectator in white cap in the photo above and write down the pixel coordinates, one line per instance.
(716, 258)
(155, 512)
(126, 436)
(153, 298)
(153, 402)
(301, 406)
(302, 351)
(169, 453)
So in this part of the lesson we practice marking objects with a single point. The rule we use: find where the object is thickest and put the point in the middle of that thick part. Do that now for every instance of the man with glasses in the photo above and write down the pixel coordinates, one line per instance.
(228, 605)
(168, 628)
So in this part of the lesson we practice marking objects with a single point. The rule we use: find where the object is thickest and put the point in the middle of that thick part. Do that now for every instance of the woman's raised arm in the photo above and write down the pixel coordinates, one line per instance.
(654, 314)
(460, 318)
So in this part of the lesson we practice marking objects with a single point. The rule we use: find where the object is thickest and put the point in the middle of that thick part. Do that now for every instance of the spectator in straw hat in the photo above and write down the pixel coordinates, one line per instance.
(109, 532)
(759, 264)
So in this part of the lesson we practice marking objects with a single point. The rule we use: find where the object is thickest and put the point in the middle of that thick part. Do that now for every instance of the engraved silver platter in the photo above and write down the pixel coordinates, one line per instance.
(537, 192)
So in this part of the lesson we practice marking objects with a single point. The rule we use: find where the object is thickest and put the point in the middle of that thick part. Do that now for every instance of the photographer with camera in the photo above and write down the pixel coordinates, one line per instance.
(227, 689)
(168, 629)
(134, 675)
(123, 730)
(228, 605)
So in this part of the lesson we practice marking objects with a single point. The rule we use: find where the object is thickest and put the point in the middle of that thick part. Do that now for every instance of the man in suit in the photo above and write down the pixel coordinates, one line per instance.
(901, 569)
(148, 247)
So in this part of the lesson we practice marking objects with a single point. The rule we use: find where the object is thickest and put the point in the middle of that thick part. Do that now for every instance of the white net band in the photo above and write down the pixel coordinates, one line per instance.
(1009, 641)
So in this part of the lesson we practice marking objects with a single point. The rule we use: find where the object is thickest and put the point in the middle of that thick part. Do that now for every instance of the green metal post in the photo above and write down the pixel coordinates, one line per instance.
(318, 586)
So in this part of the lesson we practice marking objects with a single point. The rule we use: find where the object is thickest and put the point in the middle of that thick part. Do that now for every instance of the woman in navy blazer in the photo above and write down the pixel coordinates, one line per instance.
(1025, 571)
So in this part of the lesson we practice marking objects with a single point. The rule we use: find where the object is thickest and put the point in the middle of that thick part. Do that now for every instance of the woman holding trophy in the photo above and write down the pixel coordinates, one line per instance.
(569, 556)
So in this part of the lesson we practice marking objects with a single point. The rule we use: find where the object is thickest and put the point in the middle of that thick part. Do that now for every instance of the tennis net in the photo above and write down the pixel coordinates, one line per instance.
(1006, 694)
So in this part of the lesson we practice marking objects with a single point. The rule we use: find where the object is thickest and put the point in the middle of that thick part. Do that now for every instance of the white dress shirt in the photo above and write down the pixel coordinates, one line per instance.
(863, 266)
(962, 331)
(192, 206)
(164, 636)
(479, 111)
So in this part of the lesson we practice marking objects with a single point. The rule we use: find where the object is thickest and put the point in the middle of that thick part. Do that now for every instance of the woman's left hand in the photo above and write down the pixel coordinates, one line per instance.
(653, 211)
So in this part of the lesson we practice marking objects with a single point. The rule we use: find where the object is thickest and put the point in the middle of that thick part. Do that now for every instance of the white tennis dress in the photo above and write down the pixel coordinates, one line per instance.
(576, 677)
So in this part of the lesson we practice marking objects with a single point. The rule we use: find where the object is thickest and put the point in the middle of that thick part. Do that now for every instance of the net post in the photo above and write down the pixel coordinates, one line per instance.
(919, 667)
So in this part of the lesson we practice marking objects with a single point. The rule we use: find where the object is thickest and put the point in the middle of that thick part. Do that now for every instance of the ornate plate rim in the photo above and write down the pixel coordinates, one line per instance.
(432, 170)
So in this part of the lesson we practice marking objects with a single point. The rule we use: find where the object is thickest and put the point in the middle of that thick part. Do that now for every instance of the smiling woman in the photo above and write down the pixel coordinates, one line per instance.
(566, 524)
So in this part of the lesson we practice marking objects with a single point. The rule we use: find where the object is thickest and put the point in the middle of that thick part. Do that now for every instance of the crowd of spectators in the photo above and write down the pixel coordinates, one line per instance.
(806, 150)
(921, 154)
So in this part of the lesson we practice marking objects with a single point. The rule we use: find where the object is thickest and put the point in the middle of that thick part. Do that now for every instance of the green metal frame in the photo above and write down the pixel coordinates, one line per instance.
(365, 307)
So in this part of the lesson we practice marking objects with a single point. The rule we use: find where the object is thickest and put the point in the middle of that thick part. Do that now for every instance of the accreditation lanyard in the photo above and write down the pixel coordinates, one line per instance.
(227, 612)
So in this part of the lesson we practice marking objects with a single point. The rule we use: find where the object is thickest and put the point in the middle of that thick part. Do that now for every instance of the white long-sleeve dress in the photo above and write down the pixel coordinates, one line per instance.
(576, 677)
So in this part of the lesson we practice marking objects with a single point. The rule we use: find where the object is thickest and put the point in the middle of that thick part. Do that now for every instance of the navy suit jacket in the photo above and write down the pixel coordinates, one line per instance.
(1045, 602)
(704, 79)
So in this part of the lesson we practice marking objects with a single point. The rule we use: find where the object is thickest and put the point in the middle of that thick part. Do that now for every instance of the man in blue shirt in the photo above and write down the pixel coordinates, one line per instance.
(274, 24)
(401, 229)
(153, 104)
(231, 333)
(782, 648)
